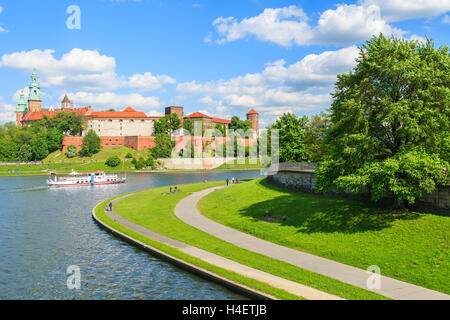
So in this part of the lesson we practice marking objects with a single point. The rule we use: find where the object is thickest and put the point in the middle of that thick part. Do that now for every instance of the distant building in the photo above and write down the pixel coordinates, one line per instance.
(128, 127)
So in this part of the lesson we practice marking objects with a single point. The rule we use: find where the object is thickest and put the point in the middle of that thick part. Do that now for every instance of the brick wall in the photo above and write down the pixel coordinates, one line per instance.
(135, 142)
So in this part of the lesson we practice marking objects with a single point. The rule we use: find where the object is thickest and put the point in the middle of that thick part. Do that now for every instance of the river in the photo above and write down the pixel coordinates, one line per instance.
(44, 231)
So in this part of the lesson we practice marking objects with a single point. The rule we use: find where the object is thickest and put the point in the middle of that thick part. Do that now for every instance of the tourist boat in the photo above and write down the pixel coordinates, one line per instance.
(85, 179)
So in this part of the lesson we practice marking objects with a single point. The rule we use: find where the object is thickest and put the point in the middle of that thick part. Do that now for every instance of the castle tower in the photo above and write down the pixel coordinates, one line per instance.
(177, 110)
(34, 98)
(253, 116)
(66, 104)
(21, 109)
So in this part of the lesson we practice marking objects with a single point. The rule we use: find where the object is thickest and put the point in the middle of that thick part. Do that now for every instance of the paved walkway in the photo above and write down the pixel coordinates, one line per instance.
(274, 281)
(187, 211)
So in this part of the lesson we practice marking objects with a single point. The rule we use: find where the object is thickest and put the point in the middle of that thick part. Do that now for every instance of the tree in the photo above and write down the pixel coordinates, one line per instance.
(8, 150)
(164, 146)
(71, 152)
(25, 153)
(291, 129)
(389, 131)
(167, 124)
(113, 161)
(40, 148)
(91, 144)
(54, 140)
(188, 125)
(238, 124)
(314, 137)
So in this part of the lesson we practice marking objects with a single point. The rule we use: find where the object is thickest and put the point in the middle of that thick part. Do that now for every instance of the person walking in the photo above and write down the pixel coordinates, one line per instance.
(227, 181)
(237, 180)
(170, 189)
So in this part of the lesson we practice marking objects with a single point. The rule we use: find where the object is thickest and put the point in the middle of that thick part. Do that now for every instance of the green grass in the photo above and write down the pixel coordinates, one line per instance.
(261, 286)
(101, 156)
(156, 212)
(58, 162)
(411, 247)
(234, 165)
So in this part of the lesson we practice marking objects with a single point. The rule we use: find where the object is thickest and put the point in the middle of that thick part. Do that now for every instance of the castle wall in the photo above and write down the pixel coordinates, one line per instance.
(133, 142)
(121, 127)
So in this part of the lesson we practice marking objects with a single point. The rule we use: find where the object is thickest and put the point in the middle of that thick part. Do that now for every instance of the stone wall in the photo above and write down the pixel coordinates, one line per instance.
(136, 142)
(301, 177)
(121, 127)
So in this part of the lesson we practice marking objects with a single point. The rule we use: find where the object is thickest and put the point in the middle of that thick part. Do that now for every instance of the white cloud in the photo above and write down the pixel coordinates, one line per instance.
(278, 88)
(1, 28)
(111, 99)
(398, 10)
(7, 112)
(81, 70)
(313, 70)
(148, 82)
(282, 26)
(343, 25)
(350, 24)
(446, 19)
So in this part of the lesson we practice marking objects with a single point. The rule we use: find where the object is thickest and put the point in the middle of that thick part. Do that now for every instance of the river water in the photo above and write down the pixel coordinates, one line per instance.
(44, 231)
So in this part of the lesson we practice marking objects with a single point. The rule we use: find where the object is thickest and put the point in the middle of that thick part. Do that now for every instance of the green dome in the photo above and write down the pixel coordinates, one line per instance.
(35, 89)
(22, 104)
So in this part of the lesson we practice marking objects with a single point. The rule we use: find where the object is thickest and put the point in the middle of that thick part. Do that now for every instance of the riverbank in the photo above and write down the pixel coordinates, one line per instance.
(149, 209)
(408, 246)
(12, 170)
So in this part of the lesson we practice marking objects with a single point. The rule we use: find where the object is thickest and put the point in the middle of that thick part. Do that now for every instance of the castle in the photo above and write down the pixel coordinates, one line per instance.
(130, 128)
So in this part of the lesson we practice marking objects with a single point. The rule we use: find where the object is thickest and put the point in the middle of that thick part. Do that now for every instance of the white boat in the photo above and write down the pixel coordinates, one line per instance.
(85, 179)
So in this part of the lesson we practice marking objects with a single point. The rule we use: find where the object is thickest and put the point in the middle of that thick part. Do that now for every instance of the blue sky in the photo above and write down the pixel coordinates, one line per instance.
(219, 57)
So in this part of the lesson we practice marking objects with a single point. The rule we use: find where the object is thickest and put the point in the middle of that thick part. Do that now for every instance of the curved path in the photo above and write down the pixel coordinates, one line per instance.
(187, 211)
(219, 261)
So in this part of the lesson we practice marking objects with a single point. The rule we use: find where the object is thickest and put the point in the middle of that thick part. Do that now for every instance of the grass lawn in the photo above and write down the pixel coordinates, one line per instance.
(156, 212)
(411, 247)
(57, 161)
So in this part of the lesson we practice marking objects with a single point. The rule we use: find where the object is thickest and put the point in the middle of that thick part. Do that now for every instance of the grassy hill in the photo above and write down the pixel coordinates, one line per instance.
(59, 156)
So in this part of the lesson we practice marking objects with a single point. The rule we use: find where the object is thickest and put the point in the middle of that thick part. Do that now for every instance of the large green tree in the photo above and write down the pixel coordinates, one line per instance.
(91, 144)
(291, 129)
(167, 124)
(389, 132)
(314, 137)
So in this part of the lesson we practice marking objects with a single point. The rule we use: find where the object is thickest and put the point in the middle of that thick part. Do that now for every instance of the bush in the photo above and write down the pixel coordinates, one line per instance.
(150, 162)
(129, 155)
(113, 161)
(91, 144)
(71, 152)
(139, 164)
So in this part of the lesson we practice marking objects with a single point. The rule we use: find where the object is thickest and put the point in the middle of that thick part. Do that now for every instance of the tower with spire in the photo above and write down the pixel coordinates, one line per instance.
(65, 103)
(34, 98)
(21, 109)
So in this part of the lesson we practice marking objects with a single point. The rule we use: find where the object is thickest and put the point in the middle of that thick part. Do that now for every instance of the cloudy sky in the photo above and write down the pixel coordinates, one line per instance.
(218, 57)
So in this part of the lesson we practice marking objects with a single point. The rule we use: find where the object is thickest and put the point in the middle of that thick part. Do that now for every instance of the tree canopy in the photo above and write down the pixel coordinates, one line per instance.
(291, 129)
(389, 131)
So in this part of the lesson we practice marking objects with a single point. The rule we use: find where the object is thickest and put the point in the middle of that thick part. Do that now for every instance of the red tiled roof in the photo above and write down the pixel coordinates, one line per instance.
(218, 120)
(127, 113)
(32, 116)
(198, 115)
(252, 112)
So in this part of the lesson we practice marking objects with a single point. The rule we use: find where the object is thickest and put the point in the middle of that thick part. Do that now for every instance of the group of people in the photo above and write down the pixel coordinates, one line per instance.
(232, 181)
(175, 189)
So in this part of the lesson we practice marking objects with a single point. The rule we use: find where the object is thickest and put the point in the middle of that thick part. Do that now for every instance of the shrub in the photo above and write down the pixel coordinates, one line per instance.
(71, 152)
(91, 144)
(129, 155)
(113, 161)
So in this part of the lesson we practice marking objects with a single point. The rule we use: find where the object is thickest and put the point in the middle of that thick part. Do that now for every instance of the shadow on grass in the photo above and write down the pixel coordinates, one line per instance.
(310, 213)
